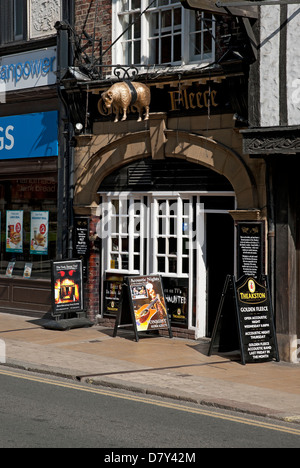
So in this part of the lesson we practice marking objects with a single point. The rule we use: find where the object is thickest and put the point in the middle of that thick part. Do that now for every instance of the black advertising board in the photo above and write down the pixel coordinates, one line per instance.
(112, 297)
(81, 242)
(250, 249)
(176, 296)
(256, 320)
(254, 317)
(67, 287)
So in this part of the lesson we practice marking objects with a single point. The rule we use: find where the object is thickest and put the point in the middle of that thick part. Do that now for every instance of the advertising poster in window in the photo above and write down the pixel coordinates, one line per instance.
(14, 231)
(176, 294)
(112, 297)
(67, 287)
(148, 301)
(39, 230)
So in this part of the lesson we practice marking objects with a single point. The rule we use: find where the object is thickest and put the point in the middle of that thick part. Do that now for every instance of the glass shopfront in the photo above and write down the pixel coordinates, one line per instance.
(28, 209)
(28, 194)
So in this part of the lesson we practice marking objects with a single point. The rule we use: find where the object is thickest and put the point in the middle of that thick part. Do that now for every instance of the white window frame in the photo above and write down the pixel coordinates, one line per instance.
(187, 58)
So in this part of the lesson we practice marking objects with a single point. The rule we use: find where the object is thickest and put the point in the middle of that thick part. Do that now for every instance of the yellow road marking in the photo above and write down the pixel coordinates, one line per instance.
(140, 399)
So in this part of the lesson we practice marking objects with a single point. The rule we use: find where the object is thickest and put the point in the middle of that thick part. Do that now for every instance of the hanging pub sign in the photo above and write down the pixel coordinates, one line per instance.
(210, 97)
(254, 318)
(67, 287)
(250, 249)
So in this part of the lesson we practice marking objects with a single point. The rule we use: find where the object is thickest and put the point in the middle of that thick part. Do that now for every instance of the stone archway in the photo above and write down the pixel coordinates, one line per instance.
(218, 157)
(179, 144)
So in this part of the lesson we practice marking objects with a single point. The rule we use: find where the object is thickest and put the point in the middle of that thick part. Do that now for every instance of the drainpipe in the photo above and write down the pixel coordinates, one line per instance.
(271, 228)
(62, 196)
(65, 159)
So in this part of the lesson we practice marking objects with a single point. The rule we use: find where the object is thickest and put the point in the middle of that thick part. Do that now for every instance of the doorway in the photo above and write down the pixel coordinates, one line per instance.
(185, 236)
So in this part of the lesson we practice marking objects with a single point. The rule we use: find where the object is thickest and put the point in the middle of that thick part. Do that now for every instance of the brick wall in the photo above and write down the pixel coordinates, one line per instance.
(95, 18)
(93, 281)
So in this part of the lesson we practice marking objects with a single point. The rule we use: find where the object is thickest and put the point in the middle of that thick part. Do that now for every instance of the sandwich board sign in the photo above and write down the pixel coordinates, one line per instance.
(252, 305)
(67, 287)
(147, 305)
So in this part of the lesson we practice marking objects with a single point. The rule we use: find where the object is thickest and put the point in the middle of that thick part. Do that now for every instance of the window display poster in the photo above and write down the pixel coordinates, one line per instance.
(39, 230)
(14, 231)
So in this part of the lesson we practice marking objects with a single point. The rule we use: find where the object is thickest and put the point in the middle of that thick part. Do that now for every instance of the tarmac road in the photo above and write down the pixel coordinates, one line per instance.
(48, 412)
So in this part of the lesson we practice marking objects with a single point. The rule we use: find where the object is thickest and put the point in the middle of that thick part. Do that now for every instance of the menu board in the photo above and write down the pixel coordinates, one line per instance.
(256, 321)
(148, 303)
(67, 286)
(81, 239)
(252, 304)
(81, 242)
(250, 251)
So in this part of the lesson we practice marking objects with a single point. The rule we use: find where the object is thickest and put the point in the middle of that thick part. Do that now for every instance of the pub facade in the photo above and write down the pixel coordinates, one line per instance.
(165, 195)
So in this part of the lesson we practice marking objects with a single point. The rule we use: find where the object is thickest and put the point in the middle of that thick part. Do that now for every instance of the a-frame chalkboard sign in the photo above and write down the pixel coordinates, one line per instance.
(143, 305)
(252, 305)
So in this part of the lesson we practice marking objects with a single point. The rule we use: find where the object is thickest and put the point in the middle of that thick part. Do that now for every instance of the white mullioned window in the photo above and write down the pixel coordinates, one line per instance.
(161, 32)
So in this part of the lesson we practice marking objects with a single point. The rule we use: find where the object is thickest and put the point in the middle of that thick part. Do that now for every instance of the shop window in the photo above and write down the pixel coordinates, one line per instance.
(28, 241)
(21, 20)
(13, 20)
(164, 34)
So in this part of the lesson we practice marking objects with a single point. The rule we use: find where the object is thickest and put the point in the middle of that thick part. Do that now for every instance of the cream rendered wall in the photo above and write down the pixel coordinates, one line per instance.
(269, 66)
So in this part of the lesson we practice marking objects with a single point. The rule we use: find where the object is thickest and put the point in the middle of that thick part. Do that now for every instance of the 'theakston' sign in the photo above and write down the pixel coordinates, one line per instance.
(252, 292)
(28, 70)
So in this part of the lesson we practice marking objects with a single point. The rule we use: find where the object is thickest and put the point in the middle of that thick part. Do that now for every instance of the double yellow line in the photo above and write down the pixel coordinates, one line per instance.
(150, 401)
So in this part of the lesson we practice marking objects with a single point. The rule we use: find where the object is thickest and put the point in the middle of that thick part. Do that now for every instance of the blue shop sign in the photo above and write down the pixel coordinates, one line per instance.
(29, 135)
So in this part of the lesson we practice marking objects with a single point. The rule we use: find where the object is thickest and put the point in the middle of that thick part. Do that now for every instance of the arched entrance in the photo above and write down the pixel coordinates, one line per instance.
(170, 217)
(94, 166)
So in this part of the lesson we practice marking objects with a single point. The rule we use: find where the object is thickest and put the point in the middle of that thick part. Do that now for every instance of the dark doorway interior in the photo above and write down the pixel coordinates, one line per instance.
(220, 263)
